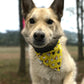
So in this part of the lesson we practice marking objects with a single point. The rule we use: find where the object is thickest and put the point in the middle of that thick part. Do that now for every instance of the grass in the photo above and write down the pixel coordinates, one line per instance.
(73, 50)
(9, 65)
(9, 73)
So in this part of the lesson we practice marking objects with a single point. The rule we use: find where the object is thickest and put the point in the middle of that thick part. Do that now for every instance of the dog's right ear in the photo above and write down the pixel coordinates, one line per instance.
(58, 6)
(27, 6)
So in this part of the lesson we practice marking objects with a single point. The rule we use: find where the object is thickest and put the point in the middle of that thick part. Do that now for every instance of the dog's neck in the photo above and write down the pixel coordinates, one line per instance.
(46, 49)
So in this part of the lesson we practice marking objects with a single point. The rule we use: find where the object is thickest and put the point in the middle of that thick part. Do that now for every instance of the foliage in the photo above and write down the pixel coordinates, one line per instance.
(11, 38)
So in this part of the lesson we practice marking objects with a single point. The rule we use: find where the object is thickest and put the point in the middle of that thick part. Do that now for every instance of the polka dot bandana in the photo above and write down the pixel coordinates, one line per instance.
(53, 58)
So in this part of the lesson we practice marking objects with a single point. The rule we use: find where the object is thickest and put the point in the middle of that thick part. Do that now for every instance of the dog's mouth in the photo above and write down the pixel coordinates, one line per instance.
(43, 47)
(39, 43)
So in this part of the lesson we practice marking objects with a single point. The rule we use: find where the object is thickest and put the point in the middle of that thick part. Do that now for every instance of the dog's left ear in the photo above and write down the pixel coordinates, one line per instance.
(58, 6)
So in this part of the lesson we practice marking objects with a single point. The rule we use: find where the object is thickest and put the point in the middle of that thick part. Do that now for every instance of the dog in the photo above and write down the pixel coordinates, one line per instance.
(43, 32)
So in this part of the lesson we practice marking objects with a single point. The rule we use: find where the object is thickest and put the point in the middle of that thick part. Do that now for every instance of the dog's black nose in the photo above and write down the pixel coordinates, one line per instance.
(39, 36)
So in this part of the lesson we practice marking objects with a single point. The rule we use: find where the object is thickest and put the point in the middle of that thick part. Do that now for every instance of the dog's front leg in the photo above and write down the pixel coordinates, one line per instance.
(39, 80)
(70, 78)
(36, 80)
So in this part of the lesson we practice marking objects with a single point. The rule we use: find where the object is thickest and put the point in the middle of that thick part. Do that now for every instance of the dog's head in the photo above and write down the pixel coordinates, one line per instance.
(42, 24)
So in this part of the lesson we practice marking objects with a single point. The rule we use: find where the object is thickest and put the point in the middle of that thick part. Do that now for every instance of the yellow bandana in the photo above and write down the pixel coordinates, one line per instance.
(53, 58)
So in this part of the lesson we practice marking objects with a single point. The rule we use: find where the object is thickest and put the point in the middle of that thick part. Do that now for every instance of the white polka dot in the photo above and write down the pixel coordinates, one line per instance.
(53, 64)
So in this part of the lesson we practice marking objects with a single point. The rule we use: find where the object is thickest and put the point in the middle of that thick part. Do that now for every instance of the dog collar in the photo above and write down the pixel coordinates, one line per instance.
(46, 49)
(53, 58)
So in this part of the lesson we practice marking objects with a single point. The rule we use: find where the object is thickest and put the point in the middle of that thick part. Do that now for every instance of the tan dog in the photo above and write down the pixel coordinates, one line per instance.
(42, 31)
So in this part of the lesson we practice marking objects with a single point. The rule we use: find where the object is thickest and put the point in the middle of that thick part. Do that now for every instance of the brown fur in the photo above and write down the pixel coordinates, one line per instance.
(41, 74)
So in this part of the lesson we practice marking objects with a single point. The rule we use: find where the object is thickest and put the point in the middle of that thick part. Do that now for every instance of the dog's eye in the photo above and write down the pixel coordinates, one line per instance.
(49, 21)
(32, 21)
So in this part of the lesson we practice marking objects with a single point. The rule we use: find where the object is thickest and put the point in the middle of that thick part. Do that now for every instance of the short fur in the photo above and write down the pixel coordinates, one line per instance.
(41, 74)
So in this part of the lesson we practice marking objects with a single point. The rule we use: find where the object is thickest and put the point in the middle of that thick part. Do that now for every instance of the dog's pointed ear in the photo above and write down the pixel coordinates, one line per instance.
(27, 6)
(58, 6)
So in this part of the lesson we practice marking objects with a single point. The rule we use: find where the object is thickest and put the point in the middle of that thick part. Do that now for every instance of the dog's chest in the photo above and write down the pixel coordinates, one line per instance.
(44, 71)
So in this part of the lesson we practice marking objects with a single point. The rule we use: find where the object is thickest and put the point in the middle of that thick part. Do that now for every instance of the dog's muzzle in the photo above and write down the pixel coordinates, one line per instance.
(39, 38)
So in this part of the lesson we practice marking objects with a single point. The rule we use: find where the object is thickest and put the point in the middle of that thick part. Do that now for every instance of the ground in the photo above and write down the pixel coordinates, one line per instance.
(9, 65)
